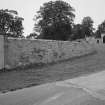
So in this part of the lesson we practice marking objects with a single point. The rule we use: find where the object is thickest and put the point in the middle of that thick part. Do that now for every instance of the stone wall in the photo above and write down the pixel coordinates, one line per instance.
(20, 52)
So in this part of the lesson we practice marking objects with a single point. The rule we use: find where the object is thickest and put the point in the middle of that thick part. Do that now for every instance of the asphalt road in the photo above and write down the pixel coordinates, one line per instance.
(87, 90)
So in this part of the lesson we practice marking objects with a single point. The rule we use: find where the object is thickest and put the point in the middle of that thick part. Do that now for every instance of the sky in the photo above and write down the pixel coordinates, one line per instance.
(27, 9)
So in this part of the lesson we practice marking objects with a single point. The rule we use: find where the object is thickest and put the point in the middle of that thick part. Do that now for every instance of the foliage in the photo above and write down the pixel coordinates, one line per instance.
(77, 32)
(87, 25)
(59, 31)
(98, 33)
(32, 36)
(10, 23)
(100, 30)
(54, 20)
(102, 27)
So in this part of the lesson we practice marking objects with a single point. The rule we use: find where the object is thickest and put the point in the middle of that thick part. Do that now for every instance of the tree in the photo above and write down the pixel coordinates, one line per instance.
(54, 20)
(101, 27)
(100, 30)
(87, 25)
(98, 33)
(10, 23)
(32, 36)
(77, 32)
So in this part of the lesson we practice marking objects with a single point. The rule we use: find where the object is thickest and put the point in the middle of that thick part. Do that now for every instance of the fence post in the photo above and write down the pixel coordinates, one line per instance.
(1, 52)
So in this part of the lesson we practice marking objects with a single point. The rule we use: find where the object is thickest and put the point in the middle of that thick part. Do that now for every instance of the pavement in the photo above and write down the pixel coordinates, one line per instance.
(85, 90)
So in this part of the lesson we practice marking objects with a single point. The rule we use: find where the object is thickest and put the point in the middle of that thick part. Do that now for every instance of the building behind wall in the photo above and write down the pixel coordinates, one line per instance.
(103, 37)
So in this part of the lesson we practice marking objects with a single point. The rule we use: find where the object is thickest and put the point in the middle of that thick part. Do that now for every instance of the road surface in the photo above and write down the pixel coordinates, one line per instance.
(87, 90)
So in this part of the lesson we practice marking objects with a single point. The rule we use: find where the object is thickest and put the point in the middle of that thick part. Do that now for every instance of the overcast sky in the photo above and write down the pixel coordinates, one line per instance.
(27, 9)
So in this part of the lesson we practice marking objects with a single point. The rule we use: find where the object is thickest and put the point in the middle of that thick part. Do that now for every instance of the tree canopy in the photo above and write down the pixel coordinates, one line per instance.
(83, 30)
(54, 20)
(101, 27)
(31, 36)
(100, 30)
(87, 24)
(10, 23)
(77, 32)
